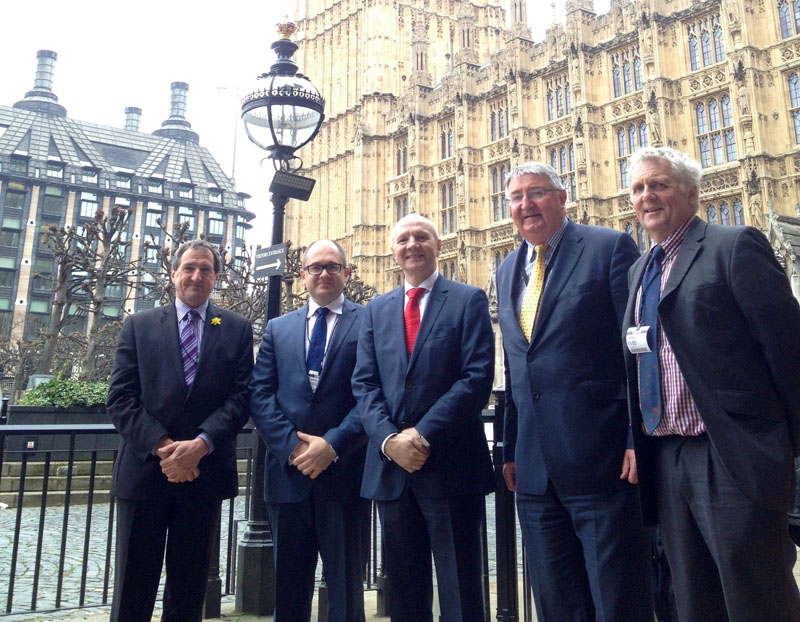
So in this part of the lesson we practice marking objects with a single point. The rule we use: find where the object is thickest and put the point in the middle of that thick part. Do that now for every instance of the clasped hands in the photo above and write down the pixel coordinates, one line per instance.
(179, 459)
(407, 449)
(313, 455)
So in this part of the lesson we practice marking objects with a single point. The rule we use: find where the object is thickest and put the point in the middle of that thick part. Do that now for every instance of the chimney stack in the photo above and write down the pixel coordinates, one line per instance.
(176, 126)
(132, 118)
(41, 98)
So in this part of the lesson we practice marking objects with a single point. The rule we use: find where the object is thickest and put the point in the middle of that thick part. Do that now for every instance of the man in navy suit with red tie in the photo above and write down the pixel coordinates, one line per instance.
(424, 372)
(303, 406)
(178, 397)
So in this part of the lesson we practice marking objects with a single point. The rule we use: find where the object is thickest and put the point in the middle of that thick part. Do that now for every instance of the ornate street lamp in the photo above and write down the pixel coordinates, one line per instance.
(280, 117)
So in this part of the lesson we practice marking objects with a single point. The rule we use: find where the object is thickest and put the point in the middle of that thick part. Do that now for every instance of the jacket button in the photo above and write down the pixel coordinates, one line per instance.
(530, 357)
(535, 395)
(408, 384)
(403, 425)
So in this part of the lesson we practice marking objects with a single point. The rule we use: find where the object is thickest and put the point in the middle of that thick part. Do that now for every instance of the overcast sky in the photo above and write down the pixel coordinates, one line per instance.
(113, 54)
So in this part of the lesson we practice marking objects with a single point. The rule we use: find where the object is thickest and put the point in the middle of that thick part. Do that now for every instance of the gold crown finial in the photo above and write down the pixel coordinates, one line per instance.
(286, 28)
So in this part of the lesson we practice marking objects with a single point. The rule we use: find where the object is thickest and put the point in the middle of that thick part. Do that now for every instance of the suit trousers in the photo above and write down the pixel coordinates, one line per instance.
(185, 525)
(334, 528)
(588, 555)
(730, 559)
(450, 527)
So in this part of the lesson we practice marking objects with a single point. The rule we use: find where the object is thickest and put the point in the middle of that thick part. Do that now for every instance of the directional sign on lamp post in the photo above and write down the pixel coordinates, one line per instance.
(270, 261)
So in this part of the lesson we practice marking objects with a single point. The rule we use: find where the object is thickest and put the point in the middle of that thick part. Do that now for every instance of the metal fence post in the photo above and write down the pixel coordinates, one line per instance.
(505, 526)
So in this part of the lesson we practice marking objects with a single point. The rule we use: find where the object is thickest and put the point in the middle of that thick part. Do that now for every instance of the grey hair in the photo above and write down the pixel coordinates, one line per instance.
(686, 171)
(414, 217)
(339, 249)
(534, 168)
(197, 245)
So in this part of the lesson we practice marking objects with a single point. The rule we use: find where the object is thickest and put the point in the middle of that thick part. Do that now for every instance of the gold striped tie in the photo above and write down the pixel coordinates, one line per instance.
(533, 293)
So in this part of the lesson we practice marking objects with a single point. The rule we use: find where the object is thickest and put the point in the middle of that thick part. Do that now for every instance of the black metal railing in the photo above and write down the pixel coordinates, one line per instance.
(57, 533)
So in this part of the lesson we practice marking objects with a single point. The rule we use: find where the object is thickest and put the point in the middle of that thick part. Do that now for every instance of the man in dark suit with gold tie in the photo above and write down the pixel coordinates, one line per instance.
(561, 296)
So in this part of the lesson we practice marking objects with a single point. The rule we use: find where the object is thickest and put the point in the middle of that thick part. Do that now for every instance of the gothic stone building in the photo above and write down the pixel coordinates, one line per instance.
(55, 170)
(430, 102)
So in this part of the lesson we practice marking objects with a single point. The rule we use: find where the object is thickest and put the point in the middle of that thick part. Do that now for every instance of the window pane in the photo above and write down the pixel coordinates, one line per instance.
(705, 152)
(693, 58)
(617, 85)
(727, 113)
(730, 145)
(719, 44)
(713, 114)
(738, 213)
(724, 214)
(626, 76)
(702, 127)
(637, 74)
(705, 41)
(786, 25)
(711, 214)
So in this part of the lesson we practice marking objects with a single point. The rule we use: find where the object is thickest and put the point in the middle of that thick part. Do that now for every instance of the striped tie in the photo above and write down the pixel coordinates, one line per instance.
(533, 293)
(189, 347)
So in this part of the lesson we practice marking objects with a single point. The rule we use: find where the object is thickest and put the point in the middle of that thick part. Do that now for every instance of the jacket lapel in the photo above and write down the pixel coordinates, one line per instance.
(566, 258)
(435, 303)
(690, 247)
(340, 330)
(169, 332)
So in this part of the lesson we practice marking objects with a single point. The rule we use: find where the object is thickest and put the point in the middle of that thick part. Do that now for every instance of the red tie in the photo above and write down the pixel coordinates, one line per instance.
(411, 316)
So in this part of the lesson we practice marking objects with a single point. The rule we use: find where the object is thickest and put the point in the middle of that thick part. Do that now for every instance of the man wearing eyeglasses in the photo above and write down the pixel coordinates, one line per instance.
(567, 449)
(303, 406)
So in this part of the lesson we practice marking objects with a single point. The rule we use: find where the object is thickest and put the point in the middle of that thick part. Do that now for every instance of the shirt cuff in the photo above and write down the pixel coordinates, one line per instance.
(207, 441)
(383, 445)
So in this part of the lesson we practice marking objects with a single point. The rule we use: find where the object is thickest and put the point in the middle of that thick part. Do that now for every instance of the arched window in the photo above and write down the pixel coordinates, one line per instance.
(632, 137)
(626, 76)
(693, 57)
(501, 123)
(493, 126)
(719, 44)
(497, 260)
(711, 215)
(705, 44)
(629, 229)
(702, 126)
(559, 102)
(550, 105)
(785, 19)
(567, 99)
(640, 240)
(643, 142)
(637, 74)
(794, 99)
(724, 214)
(738, 213)
(617, 84)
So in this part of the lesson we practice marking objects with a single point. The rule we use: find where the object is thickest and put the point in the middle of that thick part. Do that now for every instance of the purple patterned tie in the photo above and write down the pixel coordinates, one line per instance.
(189, 347)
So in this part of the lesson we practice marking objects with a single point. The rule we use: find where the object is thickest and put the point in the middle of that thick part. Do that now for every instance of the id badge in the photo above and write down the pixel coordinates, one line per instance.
(636, 339)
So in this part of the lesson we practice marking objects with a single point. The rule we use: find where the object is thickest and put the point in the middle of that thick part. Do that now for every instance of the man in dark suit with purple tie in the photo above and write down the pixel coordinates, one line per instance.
(178, 397)
(303, 406)
(424, 372)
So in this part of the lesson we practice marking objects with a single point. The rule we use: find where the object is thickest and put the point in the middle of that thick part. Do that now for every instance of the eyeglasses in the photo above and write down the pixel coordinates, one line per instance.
(532, 194)
(316, 269)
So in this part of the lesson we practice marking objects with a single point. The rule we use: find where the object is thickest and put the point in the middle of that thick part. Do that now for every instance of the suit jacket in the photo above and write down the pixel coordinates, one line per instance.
(440, 389)
(282, 403)
(148, 399)
(566, 414)
(730, 317)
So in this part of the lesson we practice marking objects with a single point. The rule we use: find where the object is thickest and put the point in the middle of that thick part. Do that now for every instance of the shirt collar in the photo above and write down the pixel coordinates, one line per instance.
(181, 308)
(552, 242)
(427, 284)
(673, 241)
(334, 307)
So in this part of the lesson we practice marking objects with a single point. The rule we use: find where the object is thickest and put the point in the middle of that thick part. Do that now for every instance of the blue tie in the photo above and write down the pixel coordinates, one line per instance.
(649, 374)
(316, 345)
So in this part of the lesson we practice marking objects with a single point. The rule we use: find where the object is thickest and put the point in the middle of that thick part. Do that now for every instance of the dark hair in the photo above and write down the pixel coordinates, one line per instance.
(197, 245)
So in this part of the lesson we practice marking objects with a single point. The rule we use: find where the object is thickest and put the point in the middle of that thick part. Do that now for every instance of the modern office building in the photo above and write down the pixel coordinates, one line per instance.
(429, 103)
(56, 170)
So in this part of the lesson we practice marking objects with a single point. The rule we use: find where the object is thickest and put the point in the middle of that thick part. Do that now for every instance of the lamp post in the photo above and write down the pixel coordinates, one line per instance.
(280, 117)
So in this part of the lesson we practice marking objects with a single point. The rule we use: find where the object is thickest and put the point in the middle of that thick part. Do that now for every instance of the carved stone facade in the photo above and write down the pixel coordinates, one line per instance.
(430, 102)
